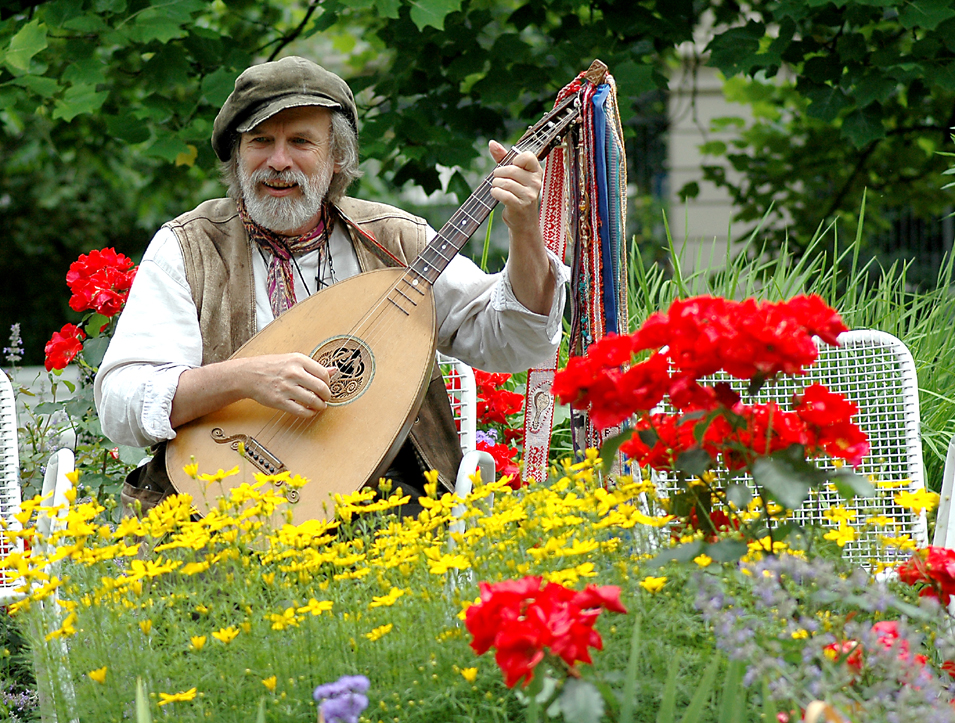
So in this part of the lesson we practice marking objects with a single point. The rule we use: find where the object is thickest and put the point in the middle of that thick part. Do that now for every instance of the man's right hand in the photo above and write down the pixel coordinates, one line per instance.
(292, 383)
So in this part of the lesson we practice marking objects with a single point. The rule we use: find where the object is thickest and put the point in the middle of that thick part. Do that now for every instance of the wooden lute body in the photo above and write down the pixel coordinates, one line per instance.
(378, 328)
(385, 363)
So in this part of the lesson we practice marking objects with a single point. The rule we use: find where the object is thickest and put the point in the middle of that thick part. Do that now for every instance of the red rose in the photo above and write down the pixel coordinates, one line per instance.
(100, 281)
(63, 347)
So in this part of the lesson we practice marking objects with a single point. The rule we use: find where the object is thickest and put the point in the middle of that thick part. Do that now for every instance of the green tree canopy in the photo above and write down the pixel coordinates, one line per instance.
(867, 104)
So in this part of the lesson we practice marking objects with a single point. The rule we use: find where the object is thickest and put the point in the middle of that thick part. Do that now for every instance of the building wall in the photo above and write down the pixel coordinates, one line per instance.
(700, 226)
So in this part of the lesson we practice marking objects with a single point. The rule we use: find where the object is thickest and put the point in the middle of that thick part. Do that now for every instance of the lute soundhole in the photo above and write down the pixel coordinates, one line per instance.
(355, 363)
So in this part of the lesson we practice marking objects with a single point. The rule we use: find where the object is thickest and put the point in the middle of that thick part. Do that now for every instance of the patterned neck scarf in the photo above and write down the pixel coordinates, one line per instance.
(280, 281)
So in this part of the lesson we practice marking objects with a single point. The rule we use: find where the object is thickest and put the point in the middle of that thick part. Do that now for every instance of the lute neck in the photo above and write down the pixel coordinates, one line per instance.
(455, 233)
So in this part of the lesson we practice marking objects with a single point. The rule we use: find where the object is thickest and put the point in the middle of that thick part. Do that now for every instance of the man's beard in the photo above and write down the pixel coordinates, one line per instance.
(286, 213)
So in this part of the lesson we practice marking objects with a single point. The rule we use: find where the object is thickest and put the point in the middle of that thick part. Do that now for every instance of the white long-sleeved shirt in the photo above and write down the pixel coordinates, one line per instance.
(479, 321)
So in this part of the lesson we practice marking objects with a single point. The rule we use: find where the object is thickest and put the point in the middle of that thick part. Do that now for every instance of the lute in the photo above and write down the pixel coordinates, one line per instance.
(378, 328)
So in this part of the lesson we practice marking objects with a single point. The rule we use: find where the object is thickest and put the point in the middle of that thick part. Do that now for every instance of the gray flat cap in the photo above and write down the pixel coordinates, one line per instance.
(269, 88)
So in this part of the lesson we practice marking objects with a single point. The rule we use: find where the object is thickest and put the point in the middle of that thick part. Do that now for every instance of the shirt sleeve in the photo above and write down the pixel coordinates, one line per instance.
(481, 322)
(157, 338)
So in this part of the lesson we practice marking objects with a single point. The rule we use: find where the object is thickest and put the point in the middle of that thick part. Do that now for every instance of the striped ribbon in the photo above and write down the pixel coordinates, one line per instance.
(583, 212)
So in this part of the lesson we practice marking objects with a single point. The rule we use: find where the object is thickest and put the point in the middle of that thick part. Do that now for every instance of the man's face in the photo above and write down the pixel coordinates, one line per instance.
(285, 166)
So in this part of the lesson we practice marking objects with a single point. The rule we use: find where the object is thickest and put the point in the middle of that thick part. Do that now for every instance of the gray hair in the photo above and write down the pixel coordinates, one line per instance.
(344, 142)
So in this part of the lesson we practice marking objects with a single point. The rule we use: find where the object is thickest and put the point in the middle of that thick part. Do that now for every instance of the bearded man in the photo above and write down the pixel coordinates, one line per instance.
(287, 137)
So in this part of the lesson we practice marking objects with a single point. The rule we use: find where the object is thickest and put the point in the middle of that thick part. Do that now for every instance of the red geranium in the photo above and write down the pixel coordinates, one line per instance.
(525, 622)
(495, 404)
(63, 347)
(100, 281)
(505, 460)
(934, 569)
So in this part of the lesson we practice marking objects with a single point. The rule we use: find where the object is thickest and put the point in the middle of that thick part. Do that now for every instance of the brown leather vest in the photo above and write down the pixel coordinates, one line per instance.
(218, 265)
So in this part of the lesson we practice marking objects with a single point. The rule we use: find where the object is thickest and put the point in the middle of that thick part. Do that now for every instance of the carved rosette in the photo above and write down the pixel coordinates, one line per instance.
(355, 363)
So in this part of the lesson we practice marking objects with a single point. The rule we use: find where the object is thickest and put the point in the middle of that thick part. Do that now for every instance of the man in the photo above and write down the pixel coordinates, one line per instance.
(287, 139)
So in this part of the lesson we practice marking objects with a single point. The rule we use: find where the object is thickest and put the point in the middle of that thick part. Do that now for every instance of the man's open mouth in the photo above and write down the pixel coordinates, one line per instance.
(279, 185)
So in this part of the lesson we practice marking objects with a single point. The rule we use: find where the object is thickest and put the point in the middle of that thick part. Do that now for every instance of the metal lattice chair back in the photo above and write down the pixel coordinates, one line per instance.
(9, 482)
(876, 371)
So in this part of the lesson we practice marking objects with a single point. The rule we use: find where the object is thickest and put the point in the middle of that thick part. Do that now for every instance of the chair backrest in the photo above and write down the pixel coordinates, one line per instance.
(462, 393)
(9, 480)
(876, 371)
(55, 486)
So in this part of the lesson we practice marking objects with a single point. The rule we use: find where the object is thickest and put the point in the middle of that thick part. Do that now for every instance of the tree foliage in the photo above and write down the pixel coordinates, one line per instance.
(108, 104)
(848, 96)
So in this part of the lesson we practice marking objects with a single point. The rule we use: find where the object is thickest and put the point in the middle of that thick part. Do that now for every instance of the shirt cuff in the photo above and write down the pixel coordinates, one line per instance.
(503, 297)
(157, 401)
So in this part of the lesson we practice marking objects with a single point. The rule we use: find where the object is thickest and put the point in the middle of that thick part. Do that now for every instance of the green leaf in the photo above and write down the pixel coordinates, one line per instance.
(784, 484)
(680, 553)
(733, 701)
(147, 29)
(94, 350)
(737, 50)
(88, 71)
(142, 706)
(852, 485)
(770, 712)
(94, 324)
(30, 40)
(88, 23)
(127, 127)
(739, 494)
(42, 86)
(726, 550)
(432, 12)
(703, 691)
(864, 126)
(580, 701)
(927, 14)
(633, 78)
(667, 709)
(630, 682)
(608, 450)
(79, 99)
(131, 455)
(826, 102)
(388, 8)
(167, 146)
(217, 86)
(694, 462)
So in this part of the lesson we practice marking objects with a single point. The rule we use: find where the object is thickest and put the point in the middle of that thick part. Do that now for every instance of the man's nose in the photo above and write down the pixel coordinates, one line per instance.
(279, 160)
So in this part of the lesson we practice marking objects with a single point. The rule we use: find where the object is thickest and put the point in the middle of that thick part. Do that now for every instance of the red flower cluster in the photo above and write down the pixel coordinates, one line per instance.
(494, 403)
(887, 635)
(702, 335)
(525, 622)
(696, 338)
(819, 422)
(934, 569)
(505, 460)
(100, 281)
(63, 347)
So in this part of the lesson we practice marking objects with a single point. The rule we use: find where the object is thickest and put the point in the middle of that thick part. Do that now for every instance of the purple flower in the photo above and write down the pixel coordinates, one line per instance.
(344, 709)
(344, 700)
(488, 437)
(343, 686)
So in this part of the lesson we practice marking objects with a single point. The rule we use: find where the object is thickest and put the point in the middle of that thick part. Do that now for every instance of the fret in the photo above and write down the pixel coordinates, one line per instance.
(398, 306)
(415, 287)
(410, 300)
(450, 239)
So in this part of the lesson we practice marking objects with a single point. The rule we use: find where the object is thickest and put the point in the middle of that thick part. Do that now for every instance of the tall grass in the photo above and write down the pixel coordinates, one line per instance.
(867, 296)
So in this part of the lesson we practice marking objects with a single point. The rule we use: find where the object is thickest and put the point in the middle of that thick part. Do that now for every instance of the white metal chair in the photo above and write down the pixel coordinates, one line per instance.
(876, 371)
(9, 484)
(462, 392)
(944, 521)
